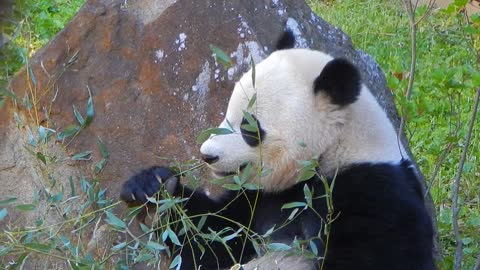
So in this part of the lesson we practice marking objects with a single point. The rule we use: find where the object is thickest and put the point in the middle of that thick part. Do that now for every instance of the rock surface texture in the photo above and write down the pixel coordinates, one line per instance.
(153, 80)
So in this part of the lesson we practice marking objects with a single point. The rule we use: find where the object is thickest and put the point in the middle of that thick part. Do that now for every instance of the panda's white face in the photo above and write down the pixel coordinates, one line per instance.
(308, 105)
(295, 123)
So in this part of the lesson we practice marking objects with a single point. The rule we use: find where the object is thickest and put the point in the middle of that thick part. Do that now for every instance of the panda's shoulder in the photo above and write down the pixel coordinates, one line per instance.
(380, 181)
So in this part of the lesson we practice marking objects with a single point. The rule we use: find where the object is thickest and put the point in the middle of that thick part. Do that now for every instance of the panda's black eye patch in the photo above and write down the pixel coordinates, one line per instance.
(252, 132)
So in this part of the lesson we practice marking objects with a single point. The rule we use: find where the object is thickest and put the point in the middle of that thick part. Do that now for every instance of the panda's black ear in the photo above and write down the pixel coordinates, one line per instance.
(286, 40)
(341, 80)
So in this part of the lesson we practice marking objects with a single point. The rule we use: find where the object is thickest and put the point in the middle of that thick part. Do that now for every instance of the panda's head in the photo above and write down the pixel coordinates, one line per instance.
(302, 101)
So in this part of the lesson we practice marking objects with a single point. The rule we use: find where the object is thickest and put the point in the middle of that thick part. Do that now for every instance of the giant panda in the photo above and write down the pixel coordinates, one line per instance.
(308, 106)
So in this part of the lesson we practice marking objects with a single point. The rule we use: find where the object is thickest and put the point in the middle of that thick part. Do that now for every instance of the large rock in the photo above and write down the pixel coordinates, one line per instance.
(154, 82)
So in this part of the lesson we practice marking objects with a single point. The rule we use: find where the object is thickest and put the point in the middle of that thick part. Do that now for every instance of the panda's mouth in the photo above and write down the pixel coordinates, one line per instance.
(225, 174)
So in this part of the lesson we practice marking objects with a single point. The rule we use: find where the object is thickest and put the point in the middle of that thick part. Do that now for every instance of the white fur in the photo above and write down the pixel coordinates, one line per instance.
(292, 116)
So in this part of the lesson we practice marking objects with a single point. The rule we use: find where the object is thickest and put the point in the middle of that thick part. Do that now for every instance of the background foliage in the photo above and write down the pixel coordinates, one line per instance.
(27, 25)
(447, 76)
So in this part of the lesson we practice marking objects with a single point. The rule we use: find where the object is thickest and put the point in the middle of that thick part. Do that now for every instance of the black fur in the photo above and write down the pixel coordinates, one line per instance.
(133, 192)
(340, 80)
(251, 137)
(286, 40)
(381, 221)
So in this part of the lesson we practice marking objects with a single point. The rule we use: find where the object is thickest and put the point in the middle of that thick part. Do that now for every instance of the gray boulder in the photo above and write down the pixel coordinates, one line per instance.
(154, 83)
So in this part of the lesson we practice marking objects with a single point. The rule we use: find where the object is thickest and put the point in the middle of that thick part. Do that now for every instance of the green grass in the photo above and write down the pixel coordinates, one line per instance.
(441, 103)
(31, 25)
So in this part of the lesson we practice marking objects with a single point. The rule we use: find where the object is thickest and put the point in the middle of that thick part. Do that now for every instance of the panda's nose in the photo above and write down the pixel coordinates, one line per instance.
(209, 158)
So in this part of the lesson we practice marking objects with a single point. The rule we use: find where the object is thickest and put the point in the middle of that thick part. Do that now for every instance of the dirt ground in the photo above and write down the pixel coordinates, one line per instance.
(472, 7)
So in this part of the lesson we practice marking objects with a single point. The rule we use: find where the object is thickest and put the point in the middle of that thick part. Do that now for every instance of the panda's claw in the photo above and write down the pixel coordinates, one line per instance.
(171, 184)
(146, 183)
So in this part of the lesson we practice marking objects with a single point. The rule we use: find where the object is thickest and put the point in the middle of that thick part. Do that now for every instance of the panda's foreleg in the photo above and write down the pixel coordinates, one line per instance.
(225, 217)
(228, 214)
(147, 183)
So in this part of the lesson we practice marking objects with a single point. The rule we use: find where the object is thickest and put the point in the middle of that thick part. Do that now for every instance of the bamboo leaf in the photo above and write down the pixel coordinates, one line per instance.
(314, 248)
(237, 180)
(173, 237)
(72, 186)
(251, 186)
(144, 228)
(201, 223)
(249, 127)
(57, 198)
(39, 247)
(44, 134)
(155, 246)
(231, 236)
(306, 175)
(6, 93)
(27, 103)
(99, 166)
(252, 101)
(68, 131)
(204, 135)
(86, 155)
(265, 172)
(278, 247)
(221, 56)
(115, 222)
(251, 121)
(165, 235)
(232, 186)
(4, 250)
(40, 156)
(31, 139)
(293, 213)
(18, 120)
(177, 262)
(103, 149)
(269, 232)
(90, 110)
(32, 76)
(246, 172)
(119, 246)
(8, 201)
(293, 205)
(308, 195)
(3, 213)
(79, 116)
(253, 70)
(143, 256)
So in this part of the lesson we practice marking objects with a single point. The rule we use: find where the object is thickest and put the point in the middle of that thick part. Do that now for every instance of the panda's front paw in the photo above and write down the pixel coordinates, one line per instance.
(146, 183)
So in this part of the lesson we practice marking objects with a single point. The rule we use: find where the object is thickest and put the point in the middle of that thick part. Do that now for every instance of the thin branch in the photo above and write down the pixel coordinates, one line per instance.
(453, 133)
(438, 166)
(413, 61)
(477, 264)
(456, 186)
(411, 9)
(469, 38)
(430, 6)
